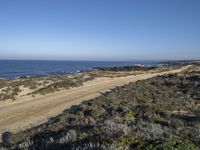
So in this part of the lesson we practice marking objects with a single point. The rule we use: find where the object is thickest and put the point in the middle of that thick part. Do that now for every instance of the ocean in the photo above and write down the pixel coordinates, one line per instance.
(20, 68)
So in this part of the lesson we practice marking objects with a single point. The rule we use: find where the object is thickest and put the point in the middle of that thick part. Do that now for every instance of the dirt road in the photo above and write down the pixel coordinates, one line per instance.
(30, 111)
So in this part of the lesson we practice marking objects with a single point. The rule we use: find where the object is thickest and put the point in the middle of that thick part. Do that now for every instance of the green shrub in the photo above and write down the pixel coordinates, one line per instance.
(168, 144)
(128, 140)
(129, 114)
(176, 123)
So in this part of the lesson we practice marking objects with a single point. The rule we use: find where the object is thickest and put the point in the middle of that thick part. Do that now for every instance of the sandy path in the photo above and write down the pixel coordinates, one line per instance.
(30, 111)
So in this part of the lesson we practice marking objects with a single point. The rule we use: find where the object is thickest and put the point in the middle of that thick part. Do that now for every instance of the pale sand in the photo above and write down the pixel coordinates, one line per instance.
(29, 111)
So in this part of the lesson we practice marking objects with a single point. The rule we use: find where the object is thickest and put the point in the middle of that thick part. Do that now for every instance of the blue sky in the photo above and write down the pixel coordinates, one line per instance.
(99, 29)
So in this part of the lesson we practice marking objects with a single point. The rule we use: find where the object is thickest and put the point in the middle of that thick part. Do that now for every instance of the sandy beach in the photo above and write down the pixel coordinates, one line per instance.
(30, 111)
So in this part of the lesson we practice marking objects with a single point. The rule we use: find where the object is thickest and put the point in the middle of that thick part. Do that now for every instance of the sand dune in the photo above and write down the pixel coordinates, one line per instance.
(31, 111)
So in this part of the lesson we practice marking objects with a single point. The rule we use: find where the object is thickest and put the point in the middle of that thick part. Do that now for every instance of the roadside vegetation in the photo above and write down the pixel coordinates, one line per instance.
(12, 88)
(42, 85)
(154, 114)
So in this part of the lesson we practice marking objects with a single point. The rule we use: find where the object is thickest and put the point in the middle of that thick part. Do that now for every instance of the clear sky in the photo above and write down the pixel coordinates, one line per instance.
(99, 29)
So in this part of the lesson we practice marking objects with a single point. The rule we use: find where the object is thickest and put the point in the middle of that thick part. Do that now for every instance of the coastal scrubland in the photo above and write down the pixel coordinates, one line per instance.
(158, 113)
(12, 89)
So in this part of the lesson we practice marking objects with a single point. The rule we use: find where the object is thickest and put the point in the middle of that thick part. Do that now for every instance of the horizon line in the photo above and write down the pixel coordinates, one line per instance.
(19, 59)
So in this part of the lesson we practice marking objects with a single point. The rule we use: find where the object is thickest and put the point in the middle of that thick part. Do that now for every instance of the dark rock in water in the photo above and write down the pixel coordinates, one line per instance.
(6, 138)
